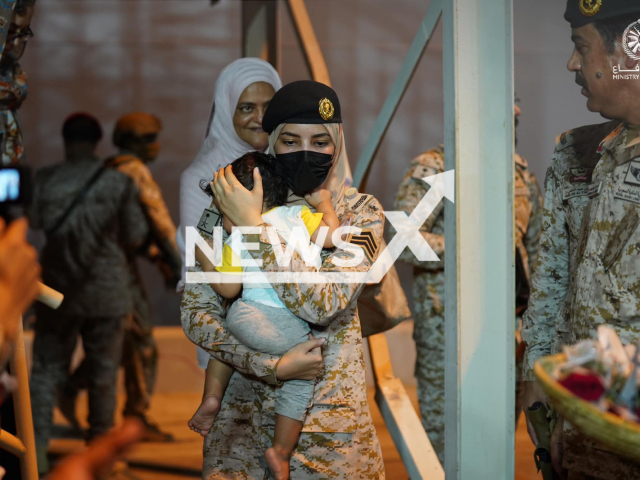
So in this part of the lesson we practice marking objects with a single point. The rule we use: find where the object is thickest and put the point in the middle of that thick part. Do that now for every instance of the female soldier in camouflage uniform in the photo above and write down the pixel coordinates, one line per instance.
(338, 439)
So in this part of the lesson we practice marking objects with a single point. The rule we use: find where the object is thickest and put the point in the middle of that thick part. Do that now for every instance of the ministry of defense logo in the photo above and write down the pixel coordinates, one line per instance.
(631, 40)
(590, 7)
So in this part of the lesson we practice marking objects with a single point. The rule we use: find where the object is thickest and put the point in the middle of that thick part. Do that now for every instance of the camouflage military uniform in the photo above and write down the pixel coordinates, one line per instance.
(429, 278)
(13, 91)
(140, 354)
(85, 259)
(338, 439)
(588, 266)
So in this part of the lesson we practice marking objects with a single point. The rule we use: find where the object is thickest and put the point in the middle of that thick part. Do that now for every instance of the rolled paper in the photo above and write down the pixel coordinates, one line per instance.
(49, 296)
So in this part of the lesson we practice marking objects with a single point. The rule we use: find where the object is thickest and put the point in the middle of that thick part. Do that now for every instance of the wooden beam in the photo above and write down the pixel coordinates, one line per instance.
(22, 407)
(261, 31)
(401, 419)
(420, 42)
(309, 42)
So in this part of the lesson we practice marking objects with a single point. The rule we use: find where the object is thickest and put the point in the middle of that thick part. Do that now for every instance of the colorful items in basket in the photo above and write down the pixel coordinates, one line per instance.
(603, 372)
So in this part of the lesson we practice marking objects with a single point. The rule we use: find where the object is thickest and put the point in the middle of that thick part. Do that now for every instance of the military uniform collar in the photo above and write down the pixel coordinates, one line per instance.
(633, 136)
(611, 140)
(623, 135)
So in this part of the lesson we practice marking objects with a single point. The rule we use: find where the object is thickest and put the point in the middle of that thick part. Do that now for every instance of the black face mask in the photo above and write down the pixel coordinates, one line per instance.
(303, 170)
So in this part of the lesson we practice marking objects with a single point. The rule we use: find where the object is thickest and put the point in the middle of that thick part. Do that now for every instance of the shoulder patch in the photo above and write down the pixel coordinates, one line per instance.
(367, 241)
(208, 220)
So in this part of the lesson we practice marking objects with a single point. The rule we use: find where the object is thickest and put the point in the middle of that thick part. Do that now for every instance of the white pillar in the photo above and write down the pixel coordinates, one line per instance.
(480, 298)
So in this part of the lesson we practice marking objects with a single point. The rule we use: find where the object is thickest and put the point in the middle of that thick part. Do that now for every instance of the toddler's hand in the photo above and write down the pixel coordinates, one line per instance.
(316, 198)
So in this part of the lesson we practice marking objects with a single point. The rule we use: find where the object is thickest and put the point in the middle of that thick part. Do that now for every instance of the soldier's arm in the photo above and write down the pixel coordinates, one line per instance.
(550, 279)
(534, 229)
(319, 303)
(411, 190)
(202, 314)
(133, 227)
(163, 230)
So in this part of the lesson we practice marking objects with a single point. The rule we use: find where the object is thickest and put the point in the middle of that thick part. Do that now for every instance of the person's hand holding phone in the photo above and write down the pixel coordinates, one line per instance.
(19, 274)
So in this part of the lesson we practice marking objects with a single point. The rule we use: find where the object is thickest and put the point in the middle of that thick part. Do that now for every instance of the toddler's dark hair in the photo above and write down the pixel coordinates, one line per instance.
(274, 188)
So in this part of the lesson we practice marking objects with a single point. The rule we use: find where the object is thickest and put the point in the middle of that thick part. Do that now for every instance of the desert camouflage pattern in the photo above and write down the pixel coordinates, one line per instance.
(338, 439)
(587, 273)
(545, 327)
(150, 195)
(140, 353)
(429, 278)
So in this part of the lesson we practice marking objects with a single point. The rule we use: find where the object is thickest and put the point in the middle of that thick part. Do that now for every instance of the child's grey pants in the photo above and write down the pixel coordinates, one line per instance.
(274, 331)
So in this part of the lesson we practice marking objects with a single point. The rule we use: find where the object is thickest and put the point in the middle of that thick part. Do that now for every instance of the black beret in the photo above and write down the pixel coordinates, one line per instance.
(305, 102)
(582, 12)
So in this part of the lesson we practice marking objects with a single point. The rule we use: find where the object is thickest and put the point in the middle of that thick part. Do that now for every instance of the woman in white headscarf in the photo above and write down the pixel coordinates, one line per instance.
(243, 91)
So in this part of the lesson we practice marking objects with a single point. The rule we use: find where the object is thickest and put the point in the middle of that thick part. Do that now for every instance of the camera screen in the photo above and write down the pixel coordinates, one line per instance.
(9, 185)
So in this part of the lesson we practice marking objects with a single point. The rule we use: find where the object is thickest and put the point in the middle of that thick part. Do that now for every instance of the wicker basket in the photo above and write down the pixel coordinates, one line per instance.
(622, 436)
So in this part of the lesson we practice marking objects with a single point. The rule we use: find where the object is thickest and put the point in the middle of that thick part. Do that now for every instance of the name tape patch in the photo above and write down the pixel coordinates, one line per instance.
(581, 190)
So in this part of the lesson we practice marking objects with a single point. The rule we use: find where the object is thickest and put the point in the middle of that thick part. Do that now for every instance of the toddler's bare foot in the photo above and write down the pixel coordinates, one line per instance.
(278, 463)
(203, 419)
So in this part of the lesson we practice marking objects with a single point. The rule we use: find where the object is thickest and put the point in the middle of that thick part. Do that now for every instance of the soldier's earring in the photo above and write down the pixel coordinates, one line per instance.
(599, 75)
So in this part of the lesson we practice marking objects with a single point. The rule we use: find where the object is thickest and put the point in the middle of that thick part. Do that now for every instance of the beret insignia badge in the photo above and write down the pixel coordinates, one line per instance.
(590, 7)
(326, 109)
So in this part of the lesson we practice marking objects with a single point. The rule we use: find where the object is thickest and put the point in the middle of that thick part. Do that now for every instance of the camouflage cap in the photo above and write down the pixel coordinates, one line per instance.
(582, 12)
(138, 123)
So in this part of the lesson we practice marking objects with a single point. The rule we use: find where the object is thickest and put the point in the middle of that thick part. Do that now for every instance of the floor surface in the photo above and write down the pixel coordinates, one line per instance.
(183, 458)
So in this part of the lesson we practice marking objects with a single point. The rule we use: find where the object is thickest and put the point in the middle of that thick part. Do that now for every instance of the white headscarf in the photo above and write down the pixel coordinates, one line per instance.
(221, 145)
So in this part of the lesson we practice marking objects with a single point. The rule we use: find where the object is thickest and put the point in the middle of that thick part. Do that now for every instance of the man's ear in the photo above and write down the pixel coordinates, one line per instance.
(630, 63)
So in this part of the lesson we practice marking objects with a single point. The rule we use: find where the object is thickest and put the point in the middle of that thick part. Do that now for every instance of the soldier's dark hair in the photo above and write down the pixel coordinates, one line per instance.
(21, 5)
(611, 29)
(274, 188)
(81, 127)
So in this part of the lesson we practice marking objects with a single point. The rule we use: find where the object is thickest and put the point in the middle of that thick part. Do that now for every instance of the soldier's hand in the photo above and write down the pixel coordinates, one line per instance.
(532, 394)
(302, 362)
(243, 207)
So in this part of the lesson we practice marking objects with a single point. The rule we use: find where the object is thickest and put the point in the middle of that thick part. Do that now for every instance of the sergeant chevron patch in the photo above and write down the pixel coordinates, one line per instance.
(367, 240)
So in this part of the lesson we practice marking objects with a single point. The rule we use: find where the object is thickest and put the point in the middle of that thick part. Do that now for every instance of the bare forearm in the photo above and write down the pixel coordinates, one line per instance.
(330, 220)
